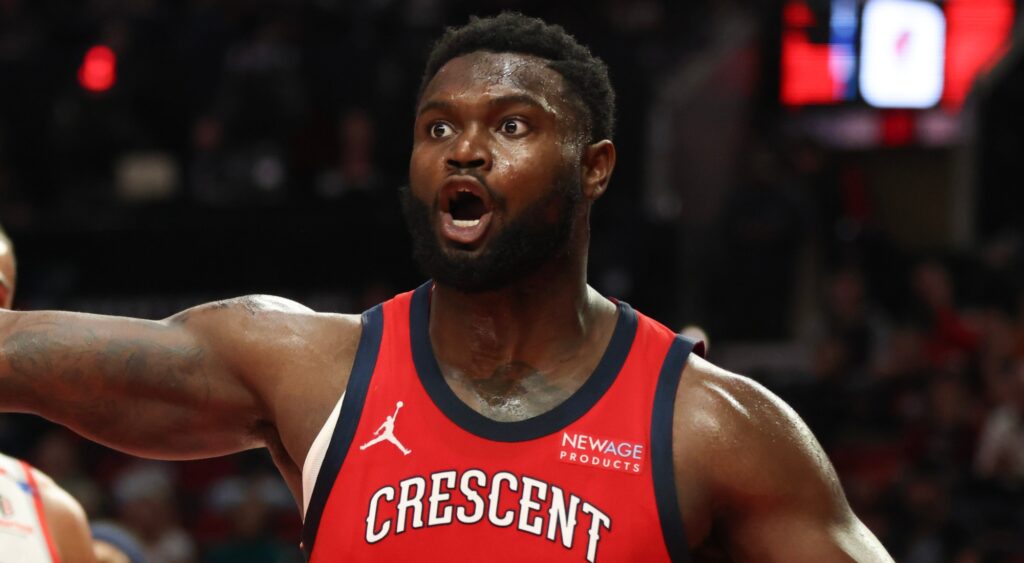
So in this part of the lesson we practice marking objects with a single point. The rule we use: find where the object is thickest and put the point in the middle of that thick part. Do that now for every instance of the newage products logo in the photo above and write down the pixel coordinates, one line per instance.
(591, 451)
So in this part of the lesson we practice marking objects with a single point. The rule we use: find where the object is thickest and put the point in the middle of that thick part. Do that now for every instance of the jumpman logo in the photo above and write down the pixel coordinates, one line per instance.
(387, 432)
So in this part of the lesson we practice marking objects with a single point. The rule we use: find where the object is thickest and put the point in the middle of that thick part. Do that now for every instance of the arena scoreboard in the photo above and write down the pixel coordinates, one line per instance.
(907, 54)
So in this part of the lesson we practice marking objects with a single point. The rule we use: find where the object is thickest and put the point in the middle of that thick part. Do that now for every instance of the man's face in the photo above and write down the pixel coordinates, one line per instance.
(6, 274)
(494, 177)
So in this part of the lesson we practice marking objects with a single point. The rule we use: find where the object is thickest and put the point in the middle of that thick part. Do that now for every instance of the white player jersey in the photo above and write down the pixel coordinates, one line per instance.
(24, 536)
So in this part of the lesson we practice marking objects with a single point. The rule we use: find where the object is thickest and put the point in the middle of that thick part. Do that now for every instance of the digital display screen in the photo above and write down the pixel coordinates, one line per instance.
(913, 54)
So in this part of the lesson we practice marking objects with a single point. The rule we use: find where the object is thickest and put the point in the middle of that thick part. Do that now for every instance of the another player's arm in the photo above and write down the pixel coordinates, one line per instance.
(66, 521)
(772, 494)
(189, 386)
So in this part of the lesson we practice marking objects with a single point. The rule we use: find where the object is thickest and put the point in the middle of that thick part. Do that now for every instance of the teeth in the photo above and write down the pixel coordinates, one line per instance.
(466, 222)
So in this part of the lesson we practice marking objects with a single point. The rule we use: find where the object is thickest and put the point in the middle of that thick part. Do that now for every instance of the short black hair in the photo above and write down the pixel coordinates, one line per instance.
(512, 32)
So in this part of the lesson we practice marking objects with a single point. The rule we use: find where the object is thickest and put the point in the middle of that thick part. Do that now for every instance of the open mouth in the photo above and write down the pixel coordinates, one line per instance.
(466, 209)
(465, 212)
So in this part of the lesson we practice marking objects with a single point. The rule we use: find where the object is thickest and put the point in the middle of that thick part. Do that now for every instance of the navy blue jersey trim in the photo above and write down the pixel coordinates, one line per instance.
(344, 431)
(541, 425)
(661, 449)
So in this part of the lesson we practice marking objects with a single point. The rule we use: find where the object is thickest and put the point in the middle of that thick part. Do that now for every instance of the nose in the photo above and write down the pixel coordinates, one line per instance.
(470, 151)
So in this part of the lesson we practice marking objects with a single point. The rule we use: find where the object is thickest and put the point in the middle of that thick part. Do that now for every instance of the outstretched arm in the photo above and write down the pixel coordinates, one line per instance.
(185, 387)
(768, 489)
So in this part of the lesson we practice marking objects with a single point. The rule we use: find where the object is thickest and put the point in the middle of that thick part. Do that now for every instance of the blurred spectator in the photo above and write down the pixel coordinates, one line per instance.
(945, 436)
(950, 339)
(146, 501)
(848, 317)
(58, 454)
(1000, 454)
(262, 97)
(254, 516)
(240, 150)
(927, 532)
(355, 168)
(764, 228)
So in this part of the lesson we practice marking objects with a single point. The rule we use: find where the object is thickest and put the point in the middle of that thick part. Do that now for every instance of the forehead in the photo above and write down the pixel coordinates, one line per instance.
(482, 74)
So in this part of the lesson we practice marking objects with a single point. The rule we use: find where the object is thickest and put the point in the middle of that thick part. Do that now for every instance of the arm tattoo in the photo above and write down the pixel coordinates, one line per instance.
(154, 389)
(73, 367)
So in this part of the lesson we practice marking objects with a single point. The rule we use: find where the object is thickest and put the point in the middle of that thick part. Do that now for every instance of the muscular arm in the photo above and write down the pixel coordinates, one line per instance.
(198, 384)
(748, 463)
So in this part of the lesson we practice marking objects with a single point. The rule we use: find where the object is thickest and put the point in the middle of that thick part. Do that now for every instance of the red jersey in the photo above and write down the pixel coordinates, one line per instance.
(414, 474)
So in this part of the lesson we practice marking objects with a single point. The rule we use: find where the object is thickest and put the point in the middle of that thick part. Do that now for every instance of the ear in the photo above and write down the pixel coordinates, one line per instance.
(598, 164)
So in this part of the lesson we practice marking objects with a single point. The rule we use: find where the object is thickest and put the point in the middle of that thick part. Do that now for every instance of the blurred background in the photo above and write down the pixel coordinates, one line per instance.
(831, 189)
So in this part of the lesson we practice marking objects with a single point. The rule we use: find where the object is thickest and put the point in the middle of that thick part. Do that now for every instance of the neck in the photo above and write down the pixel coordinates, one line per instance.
(540, 337)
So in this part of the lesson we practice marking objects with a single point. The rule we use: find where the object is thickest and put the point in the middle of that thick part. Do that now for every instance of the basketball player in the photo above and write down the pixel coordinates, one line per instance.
(543, 421)
(39, 521)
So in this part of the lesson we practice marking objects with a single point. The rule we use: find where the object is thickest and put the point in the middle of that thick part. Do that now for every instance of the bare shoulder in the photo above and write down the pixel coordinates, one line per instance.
(745, 440)
(66, 520)
(748, 466)
(297, 360)
(272, 311)
(722, 411)
(278, 326)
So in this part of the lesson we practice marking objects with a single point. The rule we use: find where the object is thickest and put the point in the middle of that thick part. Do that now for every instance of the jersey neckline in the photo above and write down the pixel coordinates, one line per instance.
(570, 410)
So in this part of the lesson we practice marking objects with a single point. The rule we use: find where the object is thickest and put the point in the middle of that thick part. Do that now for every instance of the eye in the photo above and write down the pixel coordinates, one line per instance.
(514, 126)
(440, 130)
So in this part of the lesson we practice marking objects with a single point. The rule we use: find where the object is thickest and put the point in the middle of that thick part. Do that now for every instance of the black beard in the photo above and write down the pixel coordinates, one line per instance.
(519, 249)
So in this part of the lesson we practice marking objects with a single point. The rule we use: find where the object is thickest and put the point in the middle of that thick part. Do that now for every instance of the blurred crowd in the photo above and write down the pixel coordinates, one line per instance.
(228, 510)
(294, 117)
(247, 103)
(921, 405)
(907, 363)
(277, 128)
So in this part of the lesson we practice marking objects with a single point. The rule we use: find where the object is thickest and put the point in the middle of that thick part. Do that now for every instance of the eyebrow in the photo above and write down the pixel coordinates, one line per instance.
(511, 99)
(433, 105)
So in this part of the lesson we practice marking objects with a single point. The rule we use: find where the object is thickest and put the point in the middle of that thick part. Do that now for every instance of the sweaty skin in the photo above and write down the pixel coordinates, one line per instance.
(266, 372)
